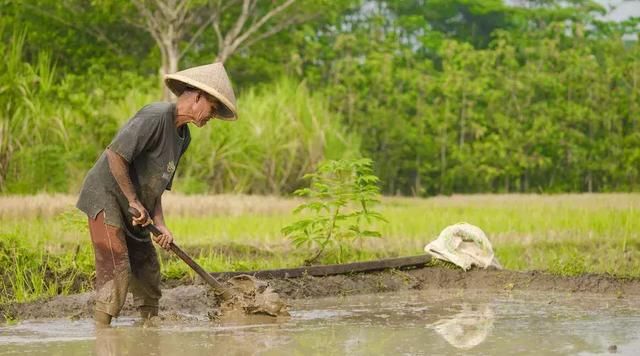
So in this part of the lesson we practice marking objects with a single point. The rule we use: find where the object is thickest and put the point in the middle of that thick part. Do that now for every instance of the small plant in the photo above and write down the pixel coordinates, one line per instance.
(569, 262)
(9, 319)
(340, 201)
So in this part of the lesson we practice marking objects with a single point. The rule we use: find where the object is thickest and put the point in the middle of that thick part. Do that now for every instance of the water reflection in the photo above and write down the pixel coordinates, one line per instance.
(411, 323)
(116, 341)
(239, 336)
(468, 328)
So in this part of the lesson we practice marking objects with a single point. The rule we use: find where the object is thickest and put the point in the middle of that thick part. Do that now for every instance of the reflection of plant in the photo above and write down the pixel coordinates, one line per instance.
(341, 197)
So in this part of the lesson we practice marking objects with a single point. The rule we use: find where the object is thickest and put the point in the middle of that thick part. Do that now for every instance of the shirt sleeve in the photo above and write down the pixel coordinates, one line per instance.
(170, 182)
(139, 134)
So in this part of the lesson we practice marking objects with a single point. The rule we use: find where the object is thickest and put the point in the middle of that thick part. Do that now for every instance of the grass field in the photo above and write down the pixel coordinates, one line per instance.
(45, 249)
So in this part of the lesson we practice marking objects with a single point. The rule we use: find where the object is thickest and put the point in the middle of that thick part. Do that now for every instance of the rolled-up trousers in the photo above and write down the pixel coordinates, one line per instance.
(123, 264)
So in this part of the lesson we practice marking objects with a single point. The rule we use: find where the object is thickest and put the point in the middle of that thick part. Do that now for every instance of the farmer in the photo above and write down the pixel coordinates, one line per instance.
(133, 171)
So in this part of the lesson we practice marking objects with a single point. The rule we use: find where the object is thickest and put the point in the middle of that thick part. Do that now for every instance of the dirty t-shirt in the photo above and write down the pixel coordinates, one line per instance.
(153, 146)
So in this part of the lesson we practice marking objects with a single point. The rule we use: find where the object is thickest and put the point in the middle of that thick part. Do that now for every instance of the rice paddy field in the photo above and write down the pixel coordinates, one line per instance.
(45, 248)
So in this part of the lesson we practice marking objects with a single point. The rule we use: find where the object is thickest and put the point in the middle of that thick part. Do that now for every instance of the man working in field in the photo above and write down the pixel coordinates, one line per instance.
(134, 171)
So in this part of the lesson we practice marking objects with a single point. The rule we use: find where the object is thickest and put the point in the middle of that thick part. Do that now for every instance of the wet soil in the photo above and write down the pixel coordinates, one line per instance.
(197, 300)
(425, 322)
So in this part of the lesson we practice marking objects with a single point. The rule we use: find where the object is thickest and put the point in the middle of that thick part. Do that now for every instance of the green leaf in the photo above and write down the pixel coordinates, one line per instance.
(340, 200)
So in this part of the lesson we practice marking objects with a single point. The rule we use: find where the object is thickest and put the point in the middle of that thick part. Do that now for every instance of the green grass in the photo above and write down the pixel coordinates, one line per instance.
(50, 254)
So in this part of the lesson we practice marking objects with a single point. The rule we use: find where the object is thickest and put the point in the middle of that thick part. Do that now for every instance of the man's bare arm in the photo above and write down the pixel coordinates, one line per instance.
(119, 168)
(158, 214)
(166, 238)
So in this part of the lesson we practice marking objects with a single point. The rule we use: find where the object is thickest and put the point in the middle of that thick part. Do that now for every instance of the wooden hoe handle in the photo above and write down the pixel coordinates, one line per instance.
(220, 290)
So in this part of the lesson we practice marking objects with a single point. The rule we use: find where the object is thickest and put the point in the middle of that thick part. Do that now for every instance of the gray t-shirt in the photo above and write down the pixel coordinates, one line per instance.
(153, 146)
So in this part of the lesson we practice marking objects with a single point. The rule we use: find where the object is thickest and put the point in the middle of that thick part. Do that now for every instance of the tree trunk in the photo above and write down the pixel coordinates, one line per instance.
(462, 119)
(223, 55)
(443, 147)
(417, 183)
(170, 57)
(167, 21)
(443, 162)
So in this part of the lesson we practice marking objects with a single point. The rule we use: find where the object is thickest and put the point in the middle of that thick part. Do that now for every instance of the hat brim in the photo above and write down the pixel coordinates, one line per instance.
(178, 83)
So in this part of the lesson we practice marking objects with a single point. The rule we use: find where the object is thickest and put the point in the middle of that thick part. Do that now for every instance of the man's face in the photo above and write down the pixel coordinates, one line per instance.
(204, 108)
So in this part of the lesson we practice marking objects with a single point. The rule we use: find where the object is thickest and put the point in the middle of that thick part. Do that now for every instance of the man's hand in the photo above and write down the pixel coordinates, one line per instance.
(165, 239)
(143, 218)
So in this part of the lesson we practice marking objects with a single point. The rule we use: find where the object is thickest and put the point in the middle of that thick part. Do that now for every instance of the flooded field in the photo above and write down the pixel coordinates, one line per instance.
(409, 322)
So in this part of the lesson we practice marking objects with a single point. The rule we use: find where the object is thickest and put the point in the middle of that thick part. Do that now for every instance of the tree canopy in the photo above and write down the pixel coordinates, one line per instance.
(443, 95)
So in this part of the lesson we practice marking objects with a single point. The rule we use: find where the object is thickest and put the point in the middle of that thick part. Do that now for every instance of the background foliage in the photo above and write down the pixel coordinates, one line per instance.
(444, 95)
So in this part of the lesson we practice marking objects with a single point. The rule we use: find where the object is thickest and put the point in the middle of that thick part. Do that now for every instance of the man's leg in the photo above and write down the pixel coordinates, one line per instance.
(145, 277)
(112, 268)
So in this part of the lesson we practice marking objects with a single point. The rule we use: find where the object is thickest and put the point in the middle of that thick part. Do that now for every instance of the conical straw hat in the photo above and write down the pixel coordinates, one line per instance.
(210, 78)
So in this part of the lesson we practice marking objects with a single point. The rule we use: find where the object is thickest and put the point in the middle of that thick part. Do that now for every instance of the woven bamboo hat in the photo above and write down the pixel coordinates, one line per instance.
(210, 78)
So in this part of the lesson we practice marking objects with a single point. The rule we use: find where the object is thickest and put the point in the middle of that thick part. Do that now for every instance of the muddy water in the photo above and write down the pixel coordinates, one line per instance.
(418, 322)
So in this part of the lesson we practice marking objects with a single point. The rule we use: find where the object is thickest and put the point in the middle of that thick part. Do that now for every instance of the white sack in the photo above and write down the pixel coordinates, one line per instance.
(464, 245)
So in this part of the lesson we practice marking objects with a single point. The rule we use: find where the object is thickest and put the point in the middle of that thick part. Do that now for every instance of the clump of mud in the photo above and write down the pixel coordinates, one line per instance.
(253, 296)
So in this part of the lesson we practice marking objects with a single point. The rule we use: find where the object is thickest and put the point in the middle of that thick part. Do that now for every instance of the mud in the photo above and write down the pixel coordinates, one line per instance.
(199, 302)
(411, 322)
(253, 296)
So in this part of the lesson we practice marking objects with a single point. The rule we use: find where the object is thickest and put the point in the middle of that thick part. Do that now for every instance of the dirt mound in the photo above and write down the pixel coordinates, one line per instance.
(199, 301)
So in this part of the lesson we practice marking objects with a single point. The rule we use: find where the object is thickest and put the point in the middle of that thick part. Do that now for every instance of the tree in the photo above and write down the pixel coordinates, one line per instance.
(470, 21)
(252, 17)
(80, 35)
(237, 24)
(169, 22)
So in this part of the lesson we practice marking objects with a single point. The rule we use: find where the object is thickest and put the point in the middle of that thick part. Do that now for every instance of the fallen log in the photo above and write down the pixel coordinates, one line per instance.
(329, 270)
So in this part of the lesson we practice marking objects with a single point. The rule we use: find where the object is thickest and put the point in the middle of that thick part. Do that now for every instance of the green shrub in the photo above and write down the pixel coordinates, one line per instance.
(283, 132)
(53, 128)
(341, 200)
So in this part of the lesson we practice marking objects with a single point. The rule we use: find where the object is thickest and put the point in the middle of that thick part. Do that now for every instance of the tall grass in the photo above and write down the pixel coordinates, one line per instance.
(51, 128)
(46, 252)
(31, 269)
(16, 99)
(283, 132)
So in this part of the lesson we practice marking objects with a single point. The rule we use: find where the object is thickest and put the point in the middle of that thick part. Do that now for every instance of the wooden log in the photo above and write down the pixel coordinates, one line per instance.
(329, 270)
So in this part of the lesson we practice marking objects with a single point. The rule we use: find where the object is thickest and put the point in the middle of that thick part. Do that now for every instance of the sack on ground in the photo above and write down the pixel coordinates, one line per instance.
(464, 245)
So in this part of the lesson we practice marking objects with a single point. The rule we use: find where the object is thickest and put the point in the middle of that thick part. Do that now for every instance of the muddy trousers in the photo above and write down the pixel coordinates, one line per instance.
(123, 264)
